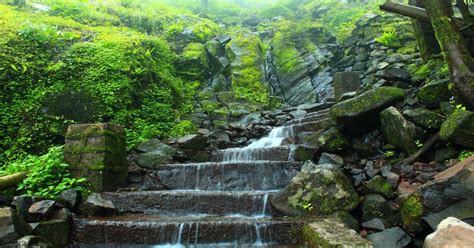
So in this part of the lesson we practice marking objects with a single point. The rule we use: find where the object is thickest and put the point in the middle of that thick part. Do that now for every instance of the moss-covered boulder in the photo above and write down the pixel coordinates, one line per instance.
(459, 128)
(361, 113)
(317, 190)
(330, 140)
(332, 233)
(433, 93)
(375, 206)
(398, 131)
(412, 211)
(378, 185)
(194, 61)
(154, 153)
(424, 118)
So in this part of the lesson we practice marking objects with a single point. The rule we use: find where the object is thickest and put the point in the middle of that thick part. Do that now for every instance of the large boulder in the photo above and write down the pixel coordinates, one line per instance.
(194, 61)
(331, 232)
(459, 128)
(155, 153)
(424, 118)
(330, 140)
(375, 206)
(433, 93)
(345, 82)
(361, 113)
(398, 131)
(317, 190)
(12, 226)
(193, 141)
(451, 232)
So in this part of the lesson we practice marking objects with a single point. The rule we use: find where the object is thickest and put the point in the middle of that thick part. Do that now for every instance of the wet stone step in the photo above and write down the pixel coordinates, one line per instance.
(216, 231)
(309, 118)
(277, 153)
(257, 175)
(185, 202)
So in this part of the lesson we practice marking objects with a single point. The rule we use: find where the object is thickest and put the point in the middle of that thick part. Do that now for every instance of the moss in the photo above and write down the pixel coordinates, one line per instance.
(459, 128)
(412, 211)
(433, 93)
(379, 186)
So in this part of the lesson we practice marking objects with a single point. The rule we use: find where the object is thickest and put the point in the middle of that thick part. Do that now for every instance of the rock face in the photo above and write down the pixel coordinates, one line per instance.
(345, 82)
(12, 227)
(398, 131)
(332, 233)
(316, 190)
(459, 128)
(451, 232)
(361, 113)
(97, 152)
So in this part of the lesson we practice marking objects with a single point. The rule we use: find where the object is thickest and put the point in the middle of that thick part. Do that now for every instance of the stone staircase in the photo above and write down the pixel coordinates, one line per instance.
(222, 203)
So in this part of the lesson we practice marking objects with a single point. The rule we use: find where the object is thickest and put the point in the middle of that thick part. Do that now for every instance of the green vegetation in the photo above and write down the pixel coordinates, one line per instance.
(47, 176)
(388, 38)
(465, 154)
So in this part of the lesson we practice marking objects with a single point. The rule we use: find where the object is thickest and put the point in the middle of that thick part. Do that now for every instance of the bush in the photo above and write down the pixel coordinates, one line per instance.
(47, 176)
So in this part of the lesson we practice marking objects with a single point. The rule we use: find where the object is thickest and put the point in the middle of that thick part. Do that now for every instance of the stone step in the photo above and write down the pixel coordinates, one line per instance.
(312, 126)
(277, 153)
(311, 117)
(185, 202)
(197, 231)
(257, 175)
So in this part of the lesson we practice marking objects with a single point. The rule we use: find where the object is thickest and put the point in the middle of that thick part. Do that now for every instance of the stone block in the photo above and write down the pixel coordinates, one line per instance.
(345, 82)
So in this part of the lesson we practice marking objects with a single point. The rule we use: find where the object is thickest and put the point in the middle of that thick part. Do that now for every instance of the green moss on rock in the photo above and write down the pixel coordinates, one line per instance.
(433, 93)
(459, 128)
(412, 211)
(378, 185)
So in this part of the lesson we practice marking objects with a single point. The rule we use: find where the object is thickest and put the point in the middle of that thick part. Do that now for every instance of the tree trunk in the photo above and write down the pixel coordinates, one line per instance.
(455, 50)
(12, 180)
(425, 35)
(406, 10)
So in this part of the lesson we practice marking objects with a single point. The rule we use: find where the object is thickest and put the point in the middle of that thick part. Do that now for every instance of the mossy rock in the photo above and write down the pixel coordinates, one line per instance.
(330, 140)
(194, 61)
(317, 190)
(433, 93)
(459, 128)
(361, 113)
(412, 211)
(424, 118)
(398, 131)
(378, 185)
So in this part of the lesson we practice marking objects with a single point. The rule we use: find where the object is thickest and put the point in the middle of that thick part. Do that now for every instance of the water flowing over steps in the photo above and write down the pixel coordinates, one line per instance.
(222, 203)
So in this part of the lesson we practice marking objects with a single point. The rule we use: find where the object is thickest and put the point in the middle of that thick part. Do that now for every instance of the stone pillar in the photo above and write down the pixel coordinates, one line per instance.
(345, 82)
(97, 152)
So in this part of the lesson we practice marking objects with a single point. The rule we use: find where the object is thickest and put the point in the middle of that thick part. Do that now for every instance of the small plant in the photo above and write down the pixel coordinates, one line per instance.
(419, 144)
(465, 154)
(308, 206)
(388, 38)
(389, 154)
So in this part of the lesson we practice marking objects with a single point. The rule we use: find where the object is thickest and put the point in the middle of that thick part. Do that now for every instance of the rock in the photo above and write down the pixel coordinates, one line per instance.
(194, 61)
(396, 74)
(193, 141)
(12, 226)
(391, 177)
(331, 191)
(71, 198)
(370, 170)
(377, 185)
(33, 241)
(361, 113)
(398, 131)
(424, 118)
(330, 140)
(411, 212)
(459, 128)
(327, 158)
(332, 233)
(462, 210)
(451, 232)
(376, 224)
(22, 203)
(97, 206)
(41, 210)
(433, 93)
(345, 82)
(156, 154)
(348, 95)
(391, 238)
(302, 152)
(453, 185)
(375, 206)
(97, 152)
(299, 113)
(55, 231)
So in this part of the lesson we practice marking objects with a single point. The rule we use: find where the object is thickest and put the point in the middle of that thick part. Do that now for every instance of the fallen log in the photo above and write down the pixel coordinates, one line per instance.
(406, 10)
(12, 180)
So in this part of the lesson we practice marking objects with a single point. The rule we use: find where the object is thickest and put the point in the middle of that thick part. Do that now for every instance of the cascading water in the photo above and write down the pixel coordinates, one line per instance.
(273, 139)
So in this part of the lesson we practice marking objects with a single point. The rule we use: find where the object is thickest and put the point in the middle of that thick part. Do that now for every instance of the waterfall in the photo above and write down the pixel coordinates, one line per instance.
(248, 153)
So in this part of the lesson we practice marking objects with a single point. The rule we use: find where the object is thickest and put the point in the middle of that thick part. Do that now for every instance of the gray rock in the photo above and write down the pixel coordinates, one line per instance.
(55, 231)
(424, 118)
(12, 226)
(459, 128)
(376, 224)
(302, 152)
(348, 95)
(462, 210)
(377, 185)
(41, 210)
(345, 82)
(193, 141)
(391, 177)
(23, 202)
(331, 192)
(33, 241)
(97, 206)
(390, 238)
(361, 113)
(375, 206)
(71, 198)
(396, 74)
(398, 131)
(433, 93)
(331, 232)
(327, 158)
(155, 154)
(299, 113)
